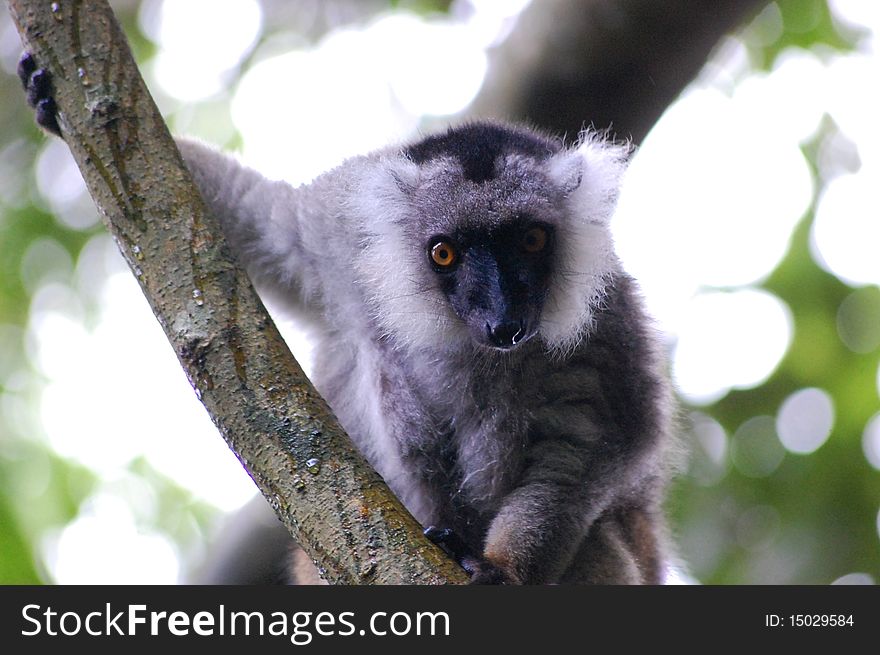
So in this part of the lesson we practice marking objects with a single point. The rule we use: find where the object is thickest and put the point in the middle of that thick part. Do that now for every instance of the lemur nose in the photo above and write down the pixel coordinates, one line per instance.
(505, 334)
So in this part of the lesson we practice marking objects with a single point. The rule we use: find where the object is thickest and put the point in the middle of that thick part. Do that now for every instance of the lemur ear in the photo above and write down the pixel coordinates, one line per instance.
(405, 174)
(589, 175)
(567, 171)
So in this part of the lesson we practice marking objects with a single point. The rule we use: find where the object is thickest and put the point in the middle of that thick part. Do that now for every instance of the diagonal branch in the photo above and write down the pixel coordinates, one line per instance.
(332, 503)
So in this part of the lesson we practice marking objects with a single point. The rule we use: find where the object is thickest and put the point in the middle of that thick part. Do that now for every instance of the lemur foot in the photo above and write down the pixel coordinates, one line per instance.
(481, 570)
(38, 89)
(450, 542)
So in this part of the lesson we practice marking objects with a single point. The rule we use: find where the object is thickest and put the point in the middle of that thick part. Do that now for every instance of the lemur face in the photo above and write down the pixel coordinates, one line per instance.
(496, 281)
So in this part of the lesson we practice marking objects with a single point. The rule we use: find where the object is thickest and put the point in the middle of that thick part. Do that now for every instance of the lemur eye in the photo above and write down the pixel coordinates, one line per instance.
(443, 253)
(534, 239)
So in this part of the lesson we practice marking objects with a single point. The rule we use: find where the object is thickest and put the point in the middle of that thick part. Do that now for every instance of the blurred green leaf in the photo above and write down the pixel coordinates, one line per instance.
(806, 24)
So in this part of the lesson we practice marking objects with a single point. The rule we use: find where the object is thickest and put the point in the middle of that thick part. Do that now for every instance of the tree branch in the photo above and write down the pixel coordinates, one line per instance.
(605, 63)
(285, 435)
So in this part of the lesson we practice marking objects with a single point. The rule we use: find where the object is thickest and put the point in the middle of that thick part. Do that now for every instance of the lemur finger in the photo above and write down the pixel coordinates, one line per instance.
(47, 116)
(26, 67)
(38, 87)
(449, 541)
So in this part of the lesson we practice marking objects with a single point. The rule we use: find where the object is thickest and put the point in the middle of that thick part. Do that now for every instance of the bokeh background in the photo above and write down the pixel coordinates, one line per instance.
(751, 216)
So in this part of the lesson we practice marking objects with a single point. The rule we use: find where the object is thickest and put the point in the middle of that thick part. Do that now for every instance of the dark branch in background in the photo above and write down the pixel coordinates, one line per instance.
(333, 504)
(605, 63)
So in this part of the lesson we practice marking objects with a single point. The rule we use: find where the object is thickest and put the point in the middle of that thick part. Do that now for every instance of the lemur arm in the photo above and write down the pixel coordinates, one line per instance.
(261, 219)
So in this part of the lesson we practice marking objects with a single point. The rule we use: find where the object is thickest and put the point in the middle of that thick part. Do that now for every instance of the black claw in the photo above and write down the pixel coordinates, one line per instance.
(47, 116)
(39, 87)
(471, 565)
(437, 535)
(449, 541)
(26, 67)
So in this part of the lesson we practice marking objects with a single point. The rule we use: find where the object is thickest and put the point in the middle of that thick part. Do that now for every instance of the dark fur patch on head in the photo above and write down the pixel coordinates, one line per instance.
(477, 147)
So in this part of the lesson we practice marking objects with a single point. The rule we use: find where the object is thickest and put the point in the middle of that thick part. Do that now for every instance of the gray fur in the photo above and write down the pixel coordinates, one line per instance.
(547, 458)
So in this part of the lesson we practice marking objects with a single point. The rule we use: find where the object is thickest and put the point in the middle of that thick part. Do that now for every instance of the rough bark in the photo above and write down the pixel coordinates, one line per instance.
(607, 63)
(332, 503)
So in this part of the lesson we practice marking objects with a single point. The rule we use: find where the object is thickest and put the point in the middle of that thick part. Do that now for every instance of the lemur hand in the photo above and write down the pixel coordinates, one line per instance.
(38, 88)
